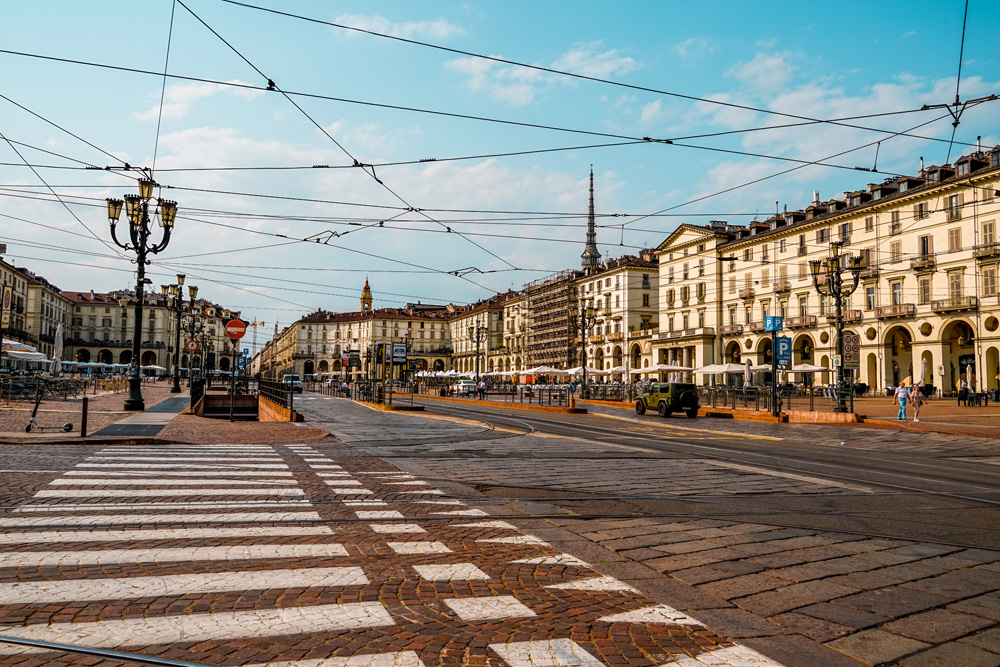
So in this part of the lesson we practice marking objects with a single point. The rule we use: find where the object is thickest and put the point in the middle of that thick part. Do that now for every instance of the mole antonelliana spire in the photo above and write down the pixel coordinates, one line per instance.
(591, 255)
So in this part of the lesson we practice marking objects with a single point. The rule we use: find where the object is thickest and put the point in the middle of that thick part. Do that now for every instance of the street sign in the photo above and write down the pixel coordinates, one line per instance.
(191, 345)
(852, 350)
(246, 352)
(773, 323)
(235, 329)
(784, 350)
(399, 353)
(241, 362)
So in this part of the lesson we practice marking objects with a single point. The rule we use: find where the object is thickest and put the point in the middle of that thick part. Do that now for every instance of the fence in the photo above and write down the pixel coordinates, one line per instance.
(26, 388)
(276, 391)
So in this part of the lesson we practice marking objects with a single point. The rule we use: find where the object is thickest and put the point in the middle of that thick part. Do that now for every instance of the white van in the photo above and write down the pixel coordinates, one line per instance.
(464, 388)
(293, 381)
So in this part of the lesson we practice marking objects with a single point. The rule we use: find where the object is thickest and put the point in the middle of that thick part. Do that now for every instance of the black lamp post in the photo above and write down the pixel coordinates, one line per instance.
(140, 233)
(477, 335)
(583, 318)
(835, 286)
(175, 304)
(193, 326)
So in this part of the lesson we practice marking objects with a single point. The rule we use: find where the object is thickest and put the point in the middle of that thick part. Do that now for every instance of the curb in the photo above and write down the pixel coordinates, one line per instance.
(512, 406)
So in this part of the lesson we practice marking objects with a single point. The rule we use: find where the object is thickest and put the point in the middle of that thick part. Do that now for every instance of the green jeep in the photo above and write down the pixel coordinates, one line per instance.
(669, 397)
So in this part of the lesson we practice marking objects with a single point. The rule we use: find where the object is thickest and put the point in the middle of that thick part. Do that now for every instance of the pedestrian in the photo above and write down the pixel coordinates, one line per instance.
(917, 399)
(901, 395)
(482, 390)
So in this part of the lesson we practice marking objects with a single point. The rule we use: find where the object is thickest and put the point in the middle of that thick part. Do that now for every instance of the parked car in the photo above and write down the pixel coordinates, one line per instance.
(669, 397)
(464, 388)
(294, 382)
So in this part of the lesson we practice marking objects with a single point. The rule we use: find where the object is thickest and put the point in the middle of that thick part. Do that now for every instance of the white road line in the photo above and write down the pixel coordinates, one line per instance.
(515, 539)
(788, 475)
(214, 626)
(738, 656)
(129, 535)
(186, 466)
(401, 659)
(609, 584)
(179, 473)
(412, 548)
(77, 590)
(248, 517)
(396, 528)
(139, 481)
(169, 555)
(133, 507)
(379, 514)
(660, 613)
(450, 572)
(546, 653)
(132, 493)
(343, 482)
(349, 491)
(186, 459)
(484, 608)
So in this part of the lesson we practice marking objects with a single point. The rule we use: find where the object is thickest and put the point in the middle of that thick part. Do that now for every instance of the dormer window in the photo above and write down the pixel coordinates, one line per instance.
(963, 168)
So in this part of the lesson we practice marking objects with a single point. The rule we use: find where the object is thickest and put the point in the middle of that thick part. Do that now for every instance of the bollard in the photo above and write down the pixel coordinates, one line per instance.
(83, 418)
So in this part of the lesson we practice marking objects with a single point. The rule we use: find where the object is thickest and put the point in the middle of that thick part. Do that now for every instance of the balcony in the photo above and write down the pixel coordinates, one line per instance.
(923, 263)
(756, 327)
(803, 251)
(894, 312)
(846, 240)
(869, 273)
(700, 332)
(731, 329)
(782, 286)
(596, 339)
(850, 317)
(986, 251)
(747, 293)
(801, 322)
(955, 304)
(614, 336)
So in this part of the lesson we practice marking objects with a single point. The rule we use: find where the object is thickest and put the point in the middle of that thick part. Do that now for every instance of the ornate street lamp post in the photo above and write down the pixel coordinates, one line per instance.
(175, 304)
(836, 287)
(140, 233)
(193, 326)
(477, 335)
(584, 318)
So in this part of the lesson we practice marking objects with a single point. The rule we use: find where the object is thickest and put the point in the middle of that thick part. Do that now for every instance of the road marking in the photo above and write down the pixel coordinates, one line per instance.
(185, 459)
(77, 590)
(349, 490)
(138, 481)
(169, 555)
(481, 609)
(609, 584)
(789, 475)
(412, 548)
(186, 466)
(426, 492)
(546, 653)
(127, 535)
(561, 559)
(660, 613)
(453, 572)
(401, 659)
(396, 528)
(343, 482)
(174, 473)
(485, 524)
(686, 428)
(201, 507)
(462, 513)
(132, 493)
(416, 483)
(317, 466)
(515, 539)
(215, 626)
(738, 656)
(242, 517)
(379, 514)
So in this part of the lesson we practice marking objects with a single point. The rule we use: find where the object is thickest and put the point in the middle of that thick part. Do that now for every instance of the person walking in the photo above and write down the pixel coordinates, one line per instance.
(901, 395)
(917, 399)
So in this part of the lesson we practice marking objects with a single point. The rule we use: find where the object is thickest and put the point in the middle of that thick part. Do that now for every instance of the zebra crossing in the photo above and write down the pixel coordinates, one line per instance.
(319, 563)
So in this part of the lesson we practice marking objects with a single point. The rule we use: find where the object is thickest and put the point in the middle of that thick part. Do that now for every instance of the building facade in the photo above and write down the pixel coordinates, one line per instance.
(46, 309)
(14, 316)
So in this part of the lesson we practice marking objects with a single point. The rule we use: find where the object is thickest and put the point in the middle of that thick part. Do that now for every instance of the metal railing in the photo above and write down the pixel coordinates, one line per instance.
(276, 391)
(25, 388)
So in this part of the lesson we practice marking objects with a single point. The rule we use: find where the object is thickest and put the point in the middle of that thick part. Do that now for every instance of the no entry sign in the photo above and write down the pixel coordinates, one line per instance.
(191, 345)
(235, 329)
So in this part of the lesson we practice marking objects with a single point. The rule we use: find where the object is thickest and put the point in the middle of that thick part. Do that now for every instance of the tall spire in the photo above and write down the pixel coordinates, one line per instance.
(366, 297)
(591, 255)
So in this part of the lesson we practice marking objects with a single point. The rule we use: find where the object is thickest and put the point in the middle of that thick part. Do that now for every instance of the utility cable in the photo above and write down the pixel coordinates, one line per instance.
(163, 88)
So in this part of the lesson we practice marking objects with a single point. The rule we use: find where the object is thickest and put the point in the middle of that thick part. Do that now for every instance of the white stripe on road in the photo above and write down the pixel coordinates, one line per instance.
(169, 555)
(178, 473)
(401, 659)
(215, 626)
(133, 507)
(660, 613)
(546, 653)
(248, 517)
(185, 459)
(77, 590)
(132, 493)
(186, 466)
(733, 655)
(138, 481)
(130, 535)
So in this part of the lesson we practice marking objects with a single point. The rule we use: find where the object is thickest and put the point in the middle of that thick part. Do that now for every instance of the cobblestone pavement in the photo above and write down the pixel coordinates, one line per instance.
(803, 597)
(304, 555)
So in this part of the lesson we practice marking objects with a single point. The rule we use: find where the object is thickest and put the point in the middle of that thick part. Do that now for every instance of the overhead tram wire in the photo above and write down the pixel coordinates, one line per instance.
(551, 70)
(163, 87)
(271, 85)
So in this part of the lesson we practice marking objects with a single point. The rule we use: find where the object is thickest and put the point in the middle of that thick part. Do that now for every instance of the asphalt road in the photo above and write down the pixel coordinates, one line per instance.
(945, 495)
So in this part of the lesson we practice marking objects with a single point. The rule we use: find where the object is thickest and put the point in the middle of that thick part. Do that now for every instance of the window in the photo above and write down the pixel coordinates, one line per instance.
(763, 253)
(783, 245)
(963, 168)
(869, 224)
(989, 232)
(701, 267)
(749, 315)
(732, 284)
(845, 232)
(990, 281)
(783, 309)
(701, 292)
(802, 244)
(955, 239)
(920, 211)
(78, 321)
(732, 314)
(92, 321)
(896, 252)
(645, 299)
(701, 319)
(670, 275)
(765, 309)
(987, 194)
(955, 280)
(803, 271)
(925, 244)
(923, 290)
(747, 281)
(685, 270)
(894, 226)
(953, 206)
(645, 281)
(803, 306)
(747, 254)
(822, 306)
(765, 278)
(869, 298)
(783, 272)
(685, 321)
(685, 294)
(821, 235)
(618, 300)
(670, 297)
(896, 290)
(106, 322)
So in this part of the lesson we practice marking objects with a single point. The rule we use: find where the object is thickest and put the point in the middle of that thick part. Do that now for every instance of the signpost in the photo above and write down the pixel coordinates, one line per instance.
(191, 345)
(852, 351)
(774, 325)
(235, 329)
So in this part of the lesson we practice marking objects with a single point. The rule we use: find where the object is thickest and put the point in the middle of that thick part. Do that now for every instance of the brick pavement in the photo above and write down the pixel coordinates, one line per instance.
(379, 566)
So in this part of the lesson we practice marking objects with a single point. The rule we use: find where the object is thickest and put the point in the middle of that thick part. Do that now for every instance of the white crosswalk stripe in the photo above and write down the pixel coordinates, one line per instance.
(136, 493)
(235, 517)
(161, 481)
(127, 535)
(170, 555)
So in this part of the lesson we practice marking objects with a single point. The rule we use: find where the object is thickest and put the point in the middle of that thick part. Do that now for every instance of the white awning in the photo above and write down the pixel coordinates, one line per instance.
(26, 356)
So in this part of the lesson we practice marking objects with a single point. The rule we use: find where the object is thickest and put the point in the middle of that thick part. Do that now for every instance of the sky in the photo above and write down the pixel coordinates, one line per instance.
(418, 152)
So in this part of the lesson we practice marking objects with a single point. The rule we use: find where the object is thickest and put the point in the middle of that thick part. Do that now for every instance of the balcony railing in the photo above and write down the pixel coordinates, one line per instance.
(850, 317)
(614, 336)
(955, 303)
(688, 333)
(869, 272)
(803, 251)
(596, 339)
(801, 322)
(756, 327)
(893, 312)
(923, 263)
(782, 286)
(986, 250)
(731, 329)
(747, 293)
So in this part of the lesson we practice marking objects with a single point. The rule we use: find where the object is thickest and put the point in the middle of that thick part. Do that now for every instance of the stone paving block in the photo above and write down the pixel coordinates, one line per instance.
(739, 567)
(867, 545)
(895, 601)
(799, 573)
(686, 547)
(952, 562)
(737, 623)
(843, 615)
(912, 571)
(775, 560)
(981, 555)
(798, 651)
(667, 590)
(771, 603)
(741, 586)
(923, 550)
(989, 640)
(865, 581)
(701, 575)
(845, 565)
(961, 584)
(953, 655)
(818, 591)
(987, 606)
(875, 647)
(680, 562)
(937, 625)
(820, 629)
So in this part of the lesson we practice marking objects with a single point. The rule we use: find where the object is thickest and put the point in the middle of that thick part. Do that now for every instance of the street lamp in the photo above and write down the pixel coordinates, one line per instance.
(175, 304)
(583, 318)
(477, 335)
(834, 286)
(140, 231)
(193, 326)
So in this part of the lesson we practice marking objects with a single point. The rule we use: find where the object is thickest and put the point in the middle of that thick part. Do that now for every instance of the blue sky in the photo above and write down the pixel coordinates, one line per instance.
(512, 218)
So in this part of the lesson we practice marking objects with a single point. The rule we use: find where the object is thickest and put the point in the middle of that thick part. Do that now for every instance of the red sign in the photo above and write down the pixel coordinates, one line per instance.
(191, 345)
(235, 329)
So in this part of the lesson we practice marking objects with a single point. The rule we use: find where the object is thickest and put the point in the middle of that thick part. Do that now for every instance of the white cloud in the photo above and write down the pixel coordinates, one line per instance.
(179, 98)
(437, 29)
(766, 72)
(586, 60)
(650, 113)
(692, 48)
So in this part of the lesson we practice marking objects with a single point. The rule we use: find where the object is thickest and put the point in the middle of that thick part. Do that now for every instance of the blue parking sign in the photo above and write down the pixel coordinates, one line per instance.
(773, 323)
(785, 350)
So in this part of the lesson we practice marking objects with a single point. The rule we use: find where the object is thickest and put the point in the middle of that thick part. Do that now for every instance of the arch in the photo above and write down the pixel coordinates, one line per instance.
(308, 368)
(636, 356)
(599, 358)
(803, 349)
(826, 377)
(616, 356)
(83, 356)
(958, 344)
(224, 364)
(104, 357)
(196, 361)
(733, 353)
(764, 351)
(324, 366)
(125, 357)
(149, 358)
(184, 361)
(925, 372)
(991, 374)
(337, 366)
(438, 365)
(872, 370)
(898, 343)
